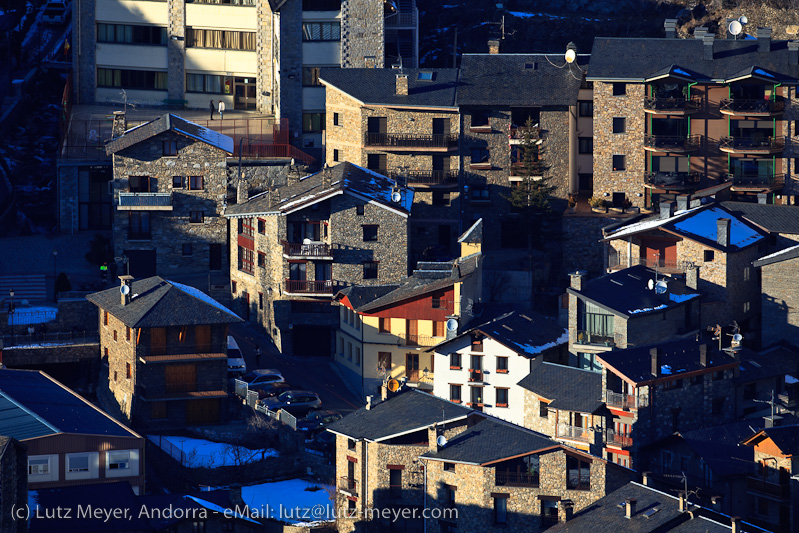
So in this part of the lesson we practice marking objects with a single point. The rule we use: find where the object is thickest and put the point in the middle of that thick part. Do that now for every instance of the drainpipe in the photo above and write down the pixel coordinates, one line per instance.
(574, 185)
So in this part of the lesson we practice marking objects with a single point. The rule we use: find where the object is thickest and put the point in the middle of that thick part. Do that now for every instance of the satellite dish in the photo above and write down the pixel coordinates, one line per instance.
(661, 287)
(743, 20)
(441, 441)
(737, 337)
(651, 284)
(452, 325)
(735, 28)
(393, 385)
(124, 289)
(570, 56)
(396, 196)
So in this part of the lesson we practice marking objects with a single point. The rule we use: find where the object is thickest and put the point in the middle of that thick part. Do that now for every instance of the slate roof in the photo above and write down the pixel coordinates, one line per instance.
(504, 80)
(792, 252)
(703, 524)
(408, 411)
(768, 217)
(772, 362)
(527, 333)
(377, 86)
(344, 177)
(32, 405)
(492, 440)
(169, 122)
(676, 358)
(786, 438)
(626, 292)
(702, 226)
(636, 59)
(569, 388)
(156, 302)
(473, 235)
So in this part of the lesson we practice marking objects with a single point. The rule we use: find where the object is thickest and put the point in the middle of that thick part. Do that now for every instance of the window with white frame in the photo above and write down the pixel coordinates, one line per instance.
(77, 463)
(38, 466)
(119, 460)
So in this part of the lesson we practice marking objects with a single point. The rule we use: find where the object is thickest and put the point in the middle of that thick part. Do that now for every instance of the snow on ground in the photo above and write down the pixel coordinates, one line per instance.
(24, 316)
(200, 453)
(289, 501)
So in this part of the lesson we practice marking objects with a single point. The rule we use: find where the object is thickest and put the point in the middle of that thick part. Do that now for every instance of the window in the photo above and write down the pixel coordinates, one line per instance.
(350, 444)
(260, 300)
(105, 354)
(221, 39)
(127, 34)
(359, 210)
(196, 217)
(77, 463)
(747, 273)
(195, 183)
(261, 260)
(310, 77)
(502, 365)
(425, 76)
(336, 120)
(132, 79)
(395, 481)
(38, 466)
(480, 156)
(246, 259)
(313, 122)
(442, 198)
(115, 335)
(233, 287)
(578, 474)
(369, 233)
(501, 509)
(127, 333)
(105, 318)
(747, 307)
(619, 163)
(480, 194)
(370, 270)
(169, 148)
(479, 119)
(118, 460)
(177, 182)
(321, 31)
(672, 384)
(619, 89)
(502, 397)
(455, 361)
(357, 356)
(709, 255)
(336, 154)
(449, 467)
(455, 393)
(477, 343)
(138, 225)
(384, 362)
(384, 325)
(585, 108)
(115, 375)
(349, 351)
(543, 409)
(619, 125)
(209, 83)
(186, 248)
(585, 145)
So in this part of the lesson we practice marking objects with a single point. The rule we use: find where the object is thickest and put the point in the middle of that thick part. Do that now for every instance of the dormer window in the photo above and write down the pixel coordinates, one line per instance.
(425, 76)
(477, 343)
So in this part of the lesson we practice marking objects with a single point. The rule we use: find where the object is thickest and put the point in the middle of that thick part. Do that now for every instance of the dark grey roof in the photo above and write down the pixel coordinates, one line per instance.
(360, 295)
(169, 122)
(769, 217)
(626, 292)
(377, 86)
(701, 226)
(675, 357)
(492, 440)
(772, 362)
(636, 59)
(32, 404)
(569, 388)
(792, 252)
(408, 411)
(310, 189)
(702, 524)
(526, 333)
(156, 302)
(519, 80)
(473, 235)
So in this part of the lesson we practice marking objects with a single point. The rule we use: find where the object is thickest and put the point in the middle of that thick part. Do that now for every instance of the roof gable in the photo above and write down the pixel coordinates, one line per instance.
(568, 388)
(169, 122)
(377, 86)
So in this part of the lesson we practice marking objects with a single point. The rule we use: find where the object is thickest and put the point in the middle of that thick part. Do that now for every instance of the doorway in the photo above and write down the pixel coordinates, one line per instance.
(245, 93)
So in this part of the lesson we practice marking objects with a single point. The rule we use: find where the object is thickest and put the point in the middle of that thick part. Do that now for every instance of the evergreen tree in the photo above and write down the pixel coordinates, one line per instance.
(531, 196)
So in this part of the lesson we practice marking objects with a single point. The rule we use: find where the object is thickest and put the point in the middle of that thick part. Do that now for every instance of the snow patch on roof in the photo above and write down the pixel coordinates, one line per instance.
(681, 297)
(563, 339)
(775, 254)
(200, 295)
(665, 370)
(648, 224)
(680, 71)
(762, 72)
(704, 224)
(646, 309)
(211, 137)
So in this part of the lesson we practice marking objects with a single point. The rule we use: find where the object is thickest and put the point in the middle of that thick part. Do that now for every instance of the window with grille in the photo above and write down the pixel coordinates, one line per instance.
(246, 259)
(223, 39)
(321, 31)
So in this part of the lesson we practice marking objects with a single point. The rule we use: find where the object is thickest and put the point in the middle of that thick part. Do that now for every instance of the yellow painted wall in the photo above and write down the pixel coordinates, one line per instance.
(239, 62)
(131, 12)
(220, 17)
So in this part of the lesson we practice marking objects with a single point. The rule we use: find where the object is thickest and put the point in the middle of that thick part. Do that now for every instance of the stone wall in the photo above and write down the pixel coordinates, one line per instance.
(362, 34)
(289, 46)
(582, 249)
(779, 302)
(176, 49)
(116, 355)
(13, 486)
(84, 54)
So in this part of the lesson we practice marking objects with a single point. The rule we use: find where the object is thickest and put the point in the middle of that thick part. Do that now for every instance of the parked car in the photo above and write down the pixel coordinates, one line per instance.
(268, 390)
(317, 420)
(323, 444)
(236, 366)
(296, 402)
(55, 12)
(262, 375)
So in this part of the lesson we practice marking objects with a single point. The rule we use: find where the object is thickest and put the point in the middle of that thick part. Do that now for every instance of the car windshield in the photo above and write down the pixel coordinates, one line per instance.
(249, 376)
(286, 396)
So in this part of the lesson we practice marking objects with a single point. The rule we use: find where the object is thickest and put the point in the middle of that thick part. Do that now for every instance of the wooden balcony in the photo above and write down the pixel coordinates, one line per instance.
(757, 182)
(672, 143)
(309, 288)
(309, 250)
(476, 375)
(672, 106)
(425, 177)
(672, 181)
(516, 479)
(752, 145)
(759, 485)
(758, 107)
(418, 340)
(145, 201)
(409, 141)
(348, 485)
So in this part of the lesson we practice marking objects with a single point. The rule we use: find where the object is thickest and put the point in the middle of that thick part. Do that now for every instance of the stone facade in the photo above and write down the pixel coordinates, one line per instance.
(779, 300)
(362, 34)
(582, 246)
(557, 423)
(13, 485)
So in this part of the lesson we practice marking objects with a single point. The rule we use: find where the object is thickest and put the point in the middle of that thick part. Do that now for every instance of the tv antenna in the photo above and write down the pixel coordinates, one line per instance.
(124, 260)
(735, 28)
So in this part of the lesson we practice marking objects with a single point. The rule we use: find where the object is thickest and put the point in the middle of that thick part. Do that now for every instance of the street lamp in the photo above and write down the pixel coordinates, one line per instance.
(11, 312)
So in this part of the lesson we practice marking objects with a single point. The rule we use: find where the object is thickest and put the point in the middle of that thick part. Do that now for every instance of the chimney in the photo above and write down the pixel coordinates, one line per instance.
(125, 293)
(326, 173)
(692, 277)
(646, 479)
(707, 46)
(703, 355)
(772, 421)
(700, 32)
(684, 202)
(764, 40)
(432, 438)
(736, 524)
(242, 191)
(369, 402)
(683, 503)
(402, 85)
(762, 198)
(667, 209)
(715, 502)
(577, 279)
(655, 355)
(383, 392)
(565, 510)
(723, 231)
(793, 52)
(670, 25)
(119, 125)
(493, 46)
(629, 507)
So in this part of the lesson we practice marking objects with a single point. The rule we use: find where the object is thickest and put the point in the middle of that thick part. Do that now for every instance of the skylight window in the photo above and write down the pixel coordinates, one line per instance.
(531, 66)
(425, 76)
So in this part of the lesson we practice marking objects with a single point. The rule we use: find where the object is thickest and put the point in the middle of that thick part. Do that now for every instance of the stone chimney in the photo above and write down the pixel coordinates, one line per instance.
(793, 52)
(736, 524)
(242, 191)
(646, 478)
(432, 438)
(493, 46)
(692, 277)
(383, 393)
(764, 40)
(684, 202)
(772, 421)
(723, 231)
(120, 124)
(629, 507)
(703, 355)
(578, 278)
(667, 209)
(683, 504)
(707, 46)
(326, 172)
(670, 25)
(700, 32)
(565, 510)
(125, 293)
(369, 402)
(654, 353)
(402, 85)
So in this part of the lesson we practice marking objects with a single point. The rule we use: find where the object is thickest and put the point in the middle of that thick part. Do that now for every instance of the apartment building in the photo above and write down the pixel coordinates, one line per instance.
(676, 115)
(163, 353)
(777, 273)
(293, 247)
(255, 55)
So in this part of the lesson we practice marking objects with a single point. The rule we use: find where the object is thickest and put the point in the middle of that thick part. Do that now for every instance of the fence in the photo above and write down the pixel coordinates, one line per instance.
(281, 416)
(169, 448)
(49, 339)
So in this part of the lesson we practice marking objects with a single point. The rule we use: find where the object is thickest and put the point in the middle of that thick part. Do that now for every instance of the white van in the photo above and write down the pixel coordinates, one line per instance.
(235, 359)
(55, 12)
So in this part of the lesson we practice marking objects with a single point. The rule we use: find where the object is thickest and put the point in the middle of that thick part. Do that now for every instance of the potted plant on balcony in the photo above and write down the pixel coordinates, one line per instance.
(597, 204)
(572, 203)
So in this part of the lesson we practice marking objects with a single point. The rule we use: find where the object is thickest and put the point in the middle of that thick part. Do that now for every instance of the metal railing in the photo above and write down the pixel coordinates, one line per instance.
(757, 181)
(418, 340)
(622, 440)
(624, 401)
(313, 249)
(347, 484)
(672, 143)
(574, 432)
(401, 18)
(620, 260)
(476, 375)
(761, 486)
(425, 177)
(281, 415)
(596, 338)
(408, 140)
(518, 479)
(672, 180)
(47, 340)
(756, 106)
(519, 132)
(753, 144)
(672, 105)
(297, 286)
(145, 199)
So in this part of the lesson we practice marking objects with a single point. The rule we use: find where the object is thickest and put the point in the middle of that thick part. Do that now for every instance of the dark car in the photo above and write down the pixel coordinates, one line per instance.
(296, 402)
(316, 420)
(267, 390)
(322, 445)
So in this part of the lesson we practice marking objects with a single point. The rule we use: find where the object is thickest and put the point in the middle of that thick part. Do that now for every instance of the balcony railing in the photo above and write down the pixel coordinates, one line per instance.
(624, 401)
(517, 479)
(758, 145)
(620, 440)
(672, 180)
(408, 140)
(758, 106)
(402, 18)
(672, 143)
(347, 484)
(418, 340)
(595, 338)
(761, 486)
(297, 286)
(312, 249)
(757, 181)
(672, 106)
(476, 375)
(142, 201)
(519, 132)
(566, 431)
(425, 177)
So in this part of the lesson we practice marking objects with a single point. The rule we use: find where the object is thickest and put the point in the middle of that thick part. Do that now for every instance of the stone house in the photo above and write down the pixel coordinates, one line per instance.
(676, 115)
(708, 247)
(778, 222)
(482, 366)
(653, 391)
(403, 124)
(767, 375)
(163, 353)
(778, 298)
(384, 330)
(774, 489)
(69, 441)
(619, 310)
(13, 484)
(565, 403)
(499, 476)
(170, 183)
(292, 248)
